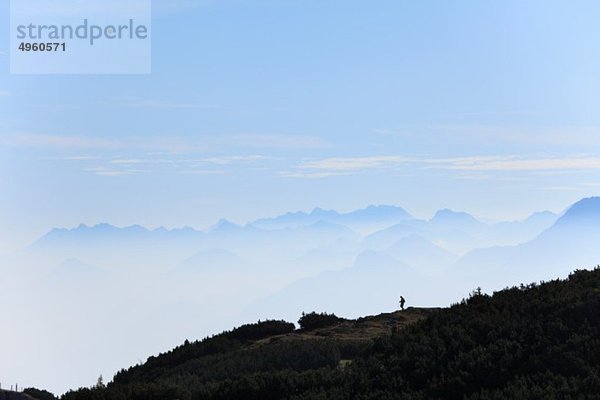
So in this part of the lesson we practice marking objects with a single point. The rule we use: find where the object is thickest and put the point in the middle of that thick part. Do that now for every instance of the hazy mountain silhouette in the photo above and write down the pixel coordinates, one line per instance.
(233, 271)
(225, 227)
(448, 236)
(449, 219)
(106, 234)
(368, 219)
(374, 281)
(516, 232)
(571, 242)
(421, 254)
(583, 214)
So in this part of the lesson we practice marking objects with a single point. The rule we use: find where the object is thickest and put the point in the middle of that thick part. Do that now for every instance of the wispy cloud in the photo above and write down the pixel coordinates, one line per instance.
(355, 163)
(159, 163)
(340, 166)
(114, 173)
(493, 135)
(472, 167)
(79, 158)
(103, 171)
(526, 164)
(164, 144)
(127, 161)
(136, 102)
(311, 175)
(561, 188)
(274, 141)
(194, 153)
(472, 177)
(4, 93)
(232, 159)
(36, 140)
(590, 184)
(167, 144)
(203, 172)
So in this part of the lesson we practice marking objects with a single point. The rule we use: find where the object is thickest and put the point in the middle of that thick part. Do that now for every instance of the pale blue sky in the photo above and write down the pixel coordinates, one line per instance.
(255, 108)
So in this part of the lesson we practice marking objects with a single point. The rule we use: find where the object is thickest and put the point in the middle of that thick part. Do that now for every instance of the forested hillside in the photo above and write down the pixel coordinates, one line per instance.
(530, 342)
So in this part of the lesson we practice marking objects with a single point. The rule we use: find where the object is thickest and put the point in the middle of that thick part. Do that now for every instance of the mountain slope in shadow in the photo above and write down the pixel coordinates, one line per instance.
(532, 341)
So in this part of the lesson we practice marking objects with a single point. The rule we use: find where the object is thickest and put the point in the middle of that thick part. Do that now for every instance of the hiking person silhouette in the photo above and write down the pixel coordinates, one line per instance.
(402, 301)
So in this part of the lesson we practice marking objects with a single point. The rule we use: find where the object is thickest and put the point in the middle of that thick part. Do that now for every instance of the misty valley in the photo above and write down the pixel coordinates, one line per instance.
(109, 297)
(299, 200)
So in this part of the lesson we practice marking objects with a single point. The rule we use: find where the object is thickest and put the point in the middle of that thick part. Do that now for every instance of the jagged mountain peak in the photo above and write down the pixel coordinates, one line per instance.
(448, 215)
(224, 225)
(583, 214)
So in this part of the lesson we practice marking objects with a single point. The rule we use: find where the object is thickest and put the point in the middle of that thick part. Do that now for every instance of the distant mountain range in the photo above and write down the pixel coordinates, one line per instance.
(403, 259)
(571, 242)
(192, 282)
(365, 220)
(297, 241)
(105, 234)
(373, 220)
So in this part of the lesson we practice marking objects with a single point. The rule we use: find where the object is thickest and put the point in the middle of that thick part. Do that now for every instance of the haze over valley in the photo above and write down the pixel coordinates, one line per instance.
(106, 296)
(279, 157)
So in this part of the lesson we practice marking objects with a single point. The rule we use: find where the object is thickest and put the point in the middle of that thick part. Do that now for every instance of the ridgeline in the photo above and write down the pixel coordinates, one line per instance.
(537, 341)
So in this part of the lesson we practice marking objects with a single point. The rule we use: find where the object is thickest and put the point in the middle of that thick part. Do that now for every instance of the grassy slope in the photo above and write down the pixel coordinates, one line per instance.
(531, 342)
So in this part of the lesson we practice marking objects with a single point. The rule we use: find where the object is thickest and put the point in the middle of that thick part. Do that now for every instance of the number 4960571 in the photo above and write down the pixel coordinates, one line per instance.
(24, 46)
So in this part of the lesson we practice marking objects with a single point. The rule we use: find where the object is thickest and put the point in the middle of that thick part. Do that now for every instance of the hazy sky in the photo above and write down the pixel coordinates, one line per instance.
(256, 108)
